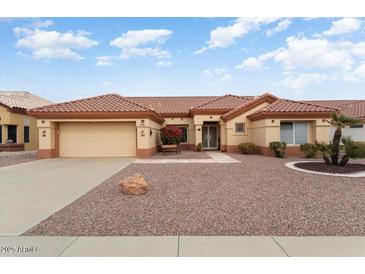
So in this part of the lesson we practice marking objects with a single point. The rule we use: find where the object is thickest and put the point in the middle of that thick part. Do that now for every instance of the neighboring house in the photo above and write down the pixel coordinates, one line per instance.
(18, 131)
(353, 108)
(113, 125)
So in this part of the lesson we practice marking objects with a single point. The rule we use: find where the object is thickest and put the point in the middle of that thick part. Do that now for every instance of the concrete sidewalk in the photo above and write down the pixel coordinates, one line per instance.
(184, 246)
(216, 157)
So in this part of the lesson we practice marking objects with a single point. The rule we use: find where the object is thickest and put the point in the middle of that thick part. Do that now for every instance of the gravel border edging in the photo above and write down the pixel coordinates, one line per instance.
(291, 165)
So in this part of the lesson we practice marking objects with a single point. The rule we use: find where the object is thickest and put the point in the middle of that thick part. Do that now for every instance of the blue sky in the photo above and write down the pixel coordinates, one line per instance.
(297, 58)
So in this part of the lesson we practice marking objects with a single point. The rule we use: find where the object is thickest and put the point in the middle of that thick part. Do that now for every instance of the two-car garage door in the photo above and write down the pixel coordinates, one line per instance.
(97, 139)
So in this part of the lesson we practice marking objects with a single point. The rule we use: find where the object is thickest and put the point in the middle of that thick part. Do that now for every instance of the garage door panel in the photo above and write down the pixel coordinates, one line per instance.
(97, 140)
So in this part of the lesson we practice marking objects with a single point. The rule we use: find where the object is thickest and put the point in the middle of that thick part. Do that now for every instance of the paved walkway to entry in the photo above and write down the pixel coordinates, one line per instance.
(185, 246)
(215, 157)
(32, 191)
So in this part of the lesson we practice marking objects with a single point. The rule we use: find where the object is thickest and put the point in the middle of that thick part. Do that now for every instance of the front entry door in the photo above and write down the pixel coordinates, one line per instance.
(210, 136)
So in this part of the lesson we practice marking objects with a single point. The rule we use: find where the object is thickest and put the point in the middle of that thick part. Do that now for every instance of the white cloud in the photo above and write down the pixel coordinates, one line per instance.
(144, 52)
(344, 26)
(304, 80)
(304, 53)
(356, 75)
(281, 26)
(104, 61)
(255, 63)
(42, 24)
(223, 37)
(143, 43)
(164, 63)
(52, 44)
(134, 38)
(221, 73)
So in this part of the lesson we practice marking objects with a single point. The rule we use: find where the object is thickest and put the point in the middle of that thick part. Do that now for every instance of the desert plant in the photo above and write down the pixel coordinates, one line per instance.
(325, 151)
(171, 135)
(278, 148)
(310, 150)
(362, 149)
(247, 148)
(351, 150)
(339, 121)
(199, 147)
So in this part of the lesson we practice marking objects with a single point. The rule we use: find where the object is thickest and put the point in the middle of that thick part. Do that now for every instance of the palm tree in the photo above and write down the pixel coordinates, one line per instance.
(339, 121)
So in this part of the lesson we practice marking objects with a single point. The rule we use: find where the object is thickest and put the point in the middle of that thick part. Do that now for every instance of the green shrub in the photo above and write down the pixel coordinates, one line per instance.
(247, 148)
(362, 149)
(199, 147)
(310, 150)
(278, 148)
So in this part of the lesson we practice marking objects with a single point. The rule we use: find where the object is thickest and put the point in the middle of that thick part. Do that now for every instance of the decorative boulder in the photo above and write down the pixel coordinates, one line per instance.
(134, 185)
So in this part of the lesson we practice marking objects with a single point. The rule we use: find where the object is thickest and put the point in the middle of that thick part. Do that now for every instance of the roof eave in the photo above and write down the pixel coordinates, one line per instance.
(250, 105)
(98, 115)
(289, 114)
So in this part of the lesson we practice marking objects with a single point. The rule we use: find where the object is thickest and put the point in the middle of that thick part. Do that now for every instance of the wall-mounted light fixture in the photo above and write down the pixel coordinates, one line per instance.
(43, 121)
(142, 122)
(273, 121)
(44, 133)
(150, 132)
(198, 129)
(142, 133)
(211, 117)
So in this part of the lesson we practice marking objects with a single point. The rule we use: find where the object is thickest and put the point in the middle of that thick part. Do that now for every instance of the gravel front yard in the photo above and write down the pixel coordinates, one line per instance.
(259, 196)
(16, 157)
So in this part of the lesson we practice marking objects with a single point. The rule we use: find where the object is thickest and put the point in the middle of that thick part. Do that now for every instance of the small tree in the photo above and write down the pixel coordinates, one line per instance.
(171, 135)
(339, 121)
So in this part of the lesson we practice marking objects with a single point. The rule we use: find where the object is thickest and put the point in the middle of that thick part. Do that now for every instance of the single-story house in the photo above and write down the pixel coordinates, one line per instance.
(18, 130)
(114, 125)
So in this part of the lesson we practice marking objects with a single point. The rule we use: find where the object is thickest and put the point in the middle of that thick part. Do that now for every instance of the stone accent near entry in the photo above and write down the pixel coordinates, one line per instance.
(134, 185)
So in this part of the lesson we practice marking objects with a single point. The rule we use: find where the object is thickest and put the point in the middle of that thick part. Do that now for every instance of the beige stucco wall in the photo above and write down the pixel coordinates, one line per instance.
(20, 120)
(186, 121)
(268, 130)
(234, 138)
(145, 140)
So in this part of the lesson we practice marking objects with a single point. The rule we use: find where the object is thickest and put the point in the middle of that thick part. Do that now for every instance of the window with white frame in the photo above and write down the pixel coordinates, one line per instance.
(294, 132)
(240, 128)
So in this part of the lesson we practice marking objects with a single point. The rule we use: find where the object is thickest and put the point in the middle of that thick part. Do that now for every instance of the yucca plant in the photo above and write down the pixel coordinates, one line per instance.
(351, 150)
(325, 150)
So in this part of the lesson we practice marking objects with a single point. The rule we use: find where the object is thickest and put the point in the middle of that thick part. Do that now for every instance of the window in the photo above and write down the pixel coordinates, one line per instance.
(26, 134)
(357, 126)
(294, 132)
(12, 133)
(184, 130)
(240, 128)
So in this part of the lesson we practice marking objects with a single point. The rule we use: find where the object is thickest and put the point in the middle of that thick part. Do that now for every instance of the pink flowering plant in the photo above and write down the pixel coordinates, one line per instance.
(171, 135)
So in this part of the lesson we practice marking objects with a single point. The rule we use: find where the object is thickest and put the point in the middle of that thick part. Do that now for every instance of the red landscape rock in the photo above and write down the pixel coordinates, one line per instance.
(134, 185)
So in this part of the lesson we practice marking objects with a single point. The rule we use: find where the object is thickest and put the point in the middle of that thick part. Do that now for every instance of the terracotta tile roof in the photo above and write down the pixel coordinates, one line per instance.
(353, 108)
(103, 106)
(102, 103)
(266, 97)
(290, 107)
(226, 102)
(172, 104)
(284, 105)
(22, 99)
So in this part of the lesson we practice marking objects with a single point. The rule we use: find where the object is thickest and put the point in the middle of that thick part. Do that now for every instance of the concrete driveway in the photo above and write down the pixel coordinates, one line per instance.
(31, 192)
